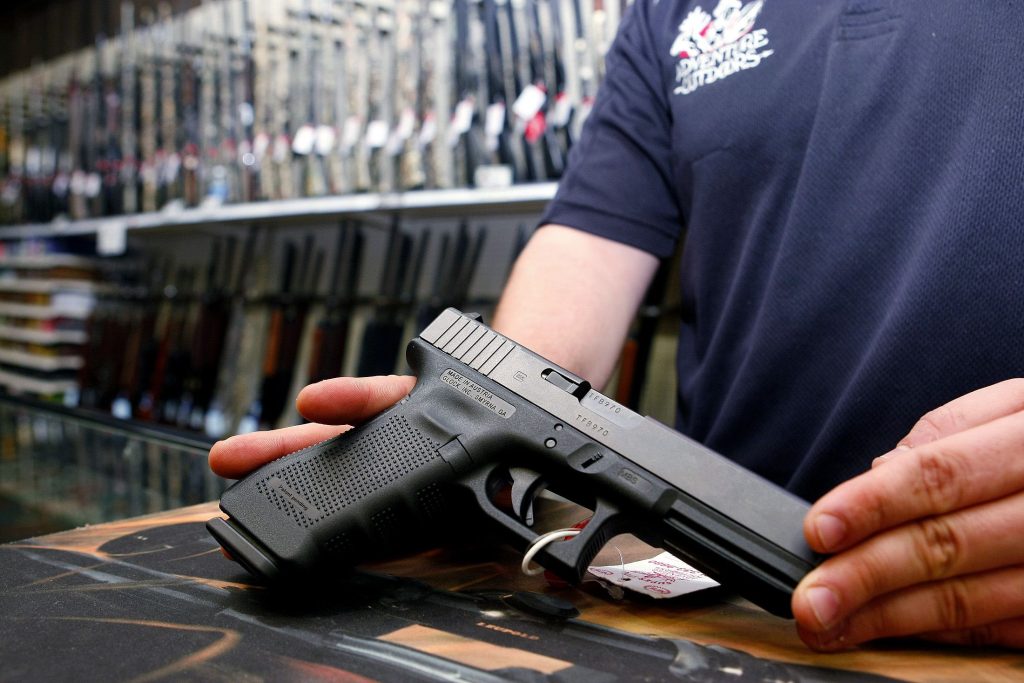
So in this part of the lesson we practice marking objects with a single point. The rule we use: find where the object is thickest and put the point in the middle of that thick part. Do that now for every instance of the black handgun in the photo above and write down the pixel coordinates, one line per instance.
(488, 426)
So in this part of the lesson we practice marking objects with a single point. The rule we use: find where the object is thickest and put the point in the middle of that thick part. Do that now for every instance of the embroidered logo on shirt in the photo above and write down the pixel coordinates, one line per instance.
(713, 46)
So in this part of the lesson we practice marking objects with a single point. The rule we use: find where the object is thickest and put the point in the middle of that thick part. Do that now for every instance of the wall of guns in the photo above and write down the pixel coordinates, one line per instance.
(216, 333)
(237, 101)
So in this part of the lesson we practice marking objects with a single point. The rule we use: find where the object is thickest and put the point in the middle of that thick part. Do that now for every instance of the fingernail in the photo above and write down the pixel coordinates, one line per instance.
(831, 530)
(885, 457)
(824, 604)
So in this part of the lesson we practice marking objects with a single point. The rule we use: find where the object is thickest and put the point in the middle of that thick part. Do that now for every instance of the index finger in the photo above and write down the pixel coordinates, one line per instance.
(966, 468)
(351, 400)
(237, 456)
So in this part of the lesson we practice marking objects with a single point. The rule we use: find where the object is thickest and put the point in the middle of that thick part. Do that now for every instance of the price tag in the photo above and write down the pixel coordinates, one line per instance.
(494, 121)
(406, 124)
(462, 120)
(428, 129)
(350, 132)
(325, 139)
(260, 145)
(304, 140)
(663, 576)
(492, 176)
(529, 102)
(112, 238)
(376, 133)
(93, 185)
(561, 112)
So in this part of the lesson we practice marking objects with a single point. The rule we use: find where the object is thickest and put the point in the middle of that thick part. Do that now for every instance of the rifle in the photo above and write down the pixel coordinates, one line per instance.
(531, 96)
(566, 95)
(211, 330)
(547, 26)
(241, 403)
(129, 139)
(359, 115)
(59, 139)
(13, 193)
(148, 168)
(311, 172)
(403, 145)
(262, 72)
(586, 73)
(331, 335)
(244, 83)
(191, 71)
(136, 355)
(167, 161)
(227, 170)
(286, 327)
(466, 118)
(279, 151)
(378, 351)
(333, 106)
(228, 369)
(453, 274)
(435, 97)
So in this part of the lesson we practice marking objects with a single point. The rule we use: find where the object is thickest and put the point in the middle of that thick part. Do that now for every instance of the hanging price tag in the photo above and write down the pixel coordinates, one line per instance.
(325, 139)
(428, 129)
(350, 132)
(663, 576)
(304, 140)
(376, 134)
(111, 238)
(529, 102)
(561, 112)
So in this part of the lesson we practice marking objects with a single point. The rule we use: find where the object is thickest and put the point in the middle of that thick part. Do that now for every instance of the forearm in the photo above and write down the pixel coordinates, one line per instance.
(571, 297)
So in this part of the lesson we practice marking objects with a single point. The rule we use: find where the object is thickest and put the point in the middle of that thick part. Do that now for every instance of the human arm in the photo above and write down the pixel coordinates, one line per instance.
(927, 542)
(571, 297)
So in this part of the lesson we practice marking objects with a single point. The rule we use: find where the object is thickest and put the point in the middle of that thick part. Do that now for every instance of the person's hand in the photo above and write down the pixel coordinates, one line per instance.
(331, 407)
(929, 541)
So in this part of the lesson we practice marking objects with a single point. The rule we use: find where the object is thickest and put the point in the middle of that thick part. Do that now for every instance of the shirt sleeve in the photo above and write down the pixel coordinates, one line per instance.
(619, 180)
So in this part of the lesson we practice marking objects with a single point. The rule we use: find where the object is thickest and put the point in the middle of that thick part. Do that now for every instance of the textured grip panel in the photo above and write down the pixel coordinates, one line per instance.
(338, 473)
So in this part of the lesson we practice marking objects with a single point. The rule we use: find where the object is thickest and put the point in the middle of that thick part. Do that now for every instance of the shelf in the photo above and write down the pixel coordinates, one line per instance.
(65, 308)
(42, 337)
(517, 198)
(44, 261)
(16, 384)
(51, 286)
(43, 363)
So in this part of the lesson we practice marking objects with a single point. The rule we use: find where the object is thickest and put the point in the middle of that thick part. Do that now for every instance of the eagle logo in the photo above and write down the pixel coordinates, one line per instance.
(712, 46)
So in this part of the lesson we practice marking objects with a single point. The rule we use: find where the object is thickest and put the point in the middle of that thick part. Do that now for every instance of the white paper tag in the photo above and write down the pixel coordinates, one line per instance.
(376, 133)
(491, 176)
(462, 119)
(406, 124)
(663, 576)
(561, 112)
(325, 137)
(529, 102)
(111, 238)
(350, 132)
(93, 185)
(304, 140)
(494, 121)
(428, 129)
(260, 145)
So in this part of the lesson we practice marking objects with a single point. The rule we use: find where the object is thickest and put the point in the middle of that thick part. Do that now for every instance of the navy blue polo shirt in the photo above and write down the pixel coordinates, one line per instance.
(847, 177)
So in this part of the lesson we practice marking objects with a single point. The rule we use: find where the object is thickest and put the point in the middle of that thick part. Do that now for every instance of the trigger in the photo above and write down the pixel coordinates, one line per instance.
(525, 486)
